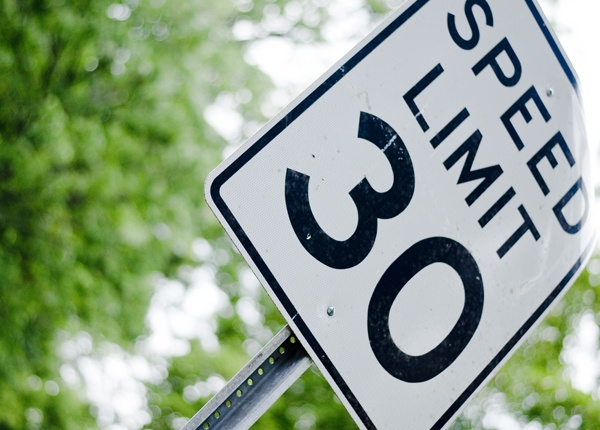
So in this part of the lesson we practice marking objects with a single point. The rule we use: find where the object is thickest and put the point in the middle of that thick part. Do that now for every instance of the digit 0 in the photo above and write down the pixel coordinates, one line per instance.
(422, 368)
(370, 204)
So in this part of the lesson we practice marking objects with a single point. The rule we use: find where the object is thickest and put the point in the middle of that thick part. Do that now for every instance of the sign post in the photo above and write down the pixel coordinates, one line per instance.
(419, 207)
(256, 387)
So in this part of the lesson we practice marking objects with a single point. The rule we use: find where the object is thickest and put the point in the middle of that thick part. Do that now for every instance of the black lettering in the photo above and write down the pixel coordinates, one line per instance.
(558, 209)
(467, 174)
(497, 207)
(491, 59)
(520, 107)
(370, 204)
(414, 92)
(449, 128)
(422, 368)
(519, 233)
(468, 44)
(546, 152)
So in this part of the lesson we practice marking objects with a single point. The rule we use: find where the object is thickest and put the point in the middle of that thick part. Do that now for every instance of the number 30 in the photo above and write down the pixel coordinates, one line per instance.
(372, 206)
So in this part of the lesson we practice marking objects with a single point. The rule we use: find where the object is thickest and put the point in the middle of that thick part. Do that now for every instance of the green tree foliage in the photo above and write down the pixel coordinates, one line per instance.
(103, 153)
(104, 148)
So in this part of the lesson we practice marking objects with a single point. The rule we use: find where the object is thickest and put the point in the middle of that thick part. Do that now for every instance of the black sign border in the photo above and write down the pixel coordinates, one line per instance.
(288, 119)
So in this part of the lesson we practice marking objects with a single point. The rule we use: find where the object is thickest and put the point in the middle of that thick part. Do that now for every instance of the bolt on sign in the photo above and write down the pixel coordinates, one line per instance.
(420, 206)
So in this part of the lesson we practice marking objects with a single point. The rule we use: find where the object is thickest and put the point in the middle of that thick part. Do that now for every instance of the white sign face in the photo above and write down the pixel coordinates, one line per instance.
(419, 208)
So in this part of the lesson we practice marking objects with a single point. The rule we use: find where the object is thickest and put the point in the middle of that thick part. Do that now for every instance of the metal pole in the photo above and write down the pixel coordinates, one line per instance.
(256, 387)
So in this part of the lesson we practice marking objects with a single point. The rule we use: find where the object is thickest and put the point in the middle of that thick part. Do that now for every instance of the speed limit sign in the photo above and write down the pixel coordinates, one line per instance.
(419, 207)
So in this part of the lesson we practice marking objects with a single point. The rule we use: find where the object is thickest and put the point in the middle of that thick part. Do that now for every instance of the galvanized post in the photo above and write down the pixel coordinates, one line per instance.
(256, 387)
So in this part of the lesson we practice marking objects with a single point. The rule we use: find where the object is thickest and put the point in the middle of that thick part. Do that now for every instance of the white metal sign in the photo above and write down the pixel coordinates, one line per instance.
(418, 209)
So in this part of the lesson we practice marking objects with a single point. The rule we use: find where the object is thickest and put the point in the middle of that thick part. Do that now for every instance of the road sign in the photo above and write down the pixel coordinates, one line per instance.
(419, 207)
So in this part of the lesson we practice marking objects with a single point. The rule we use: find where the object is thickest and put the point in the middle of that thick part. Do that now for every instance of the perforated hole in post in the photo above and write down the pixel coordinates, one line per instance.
(250, 384)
